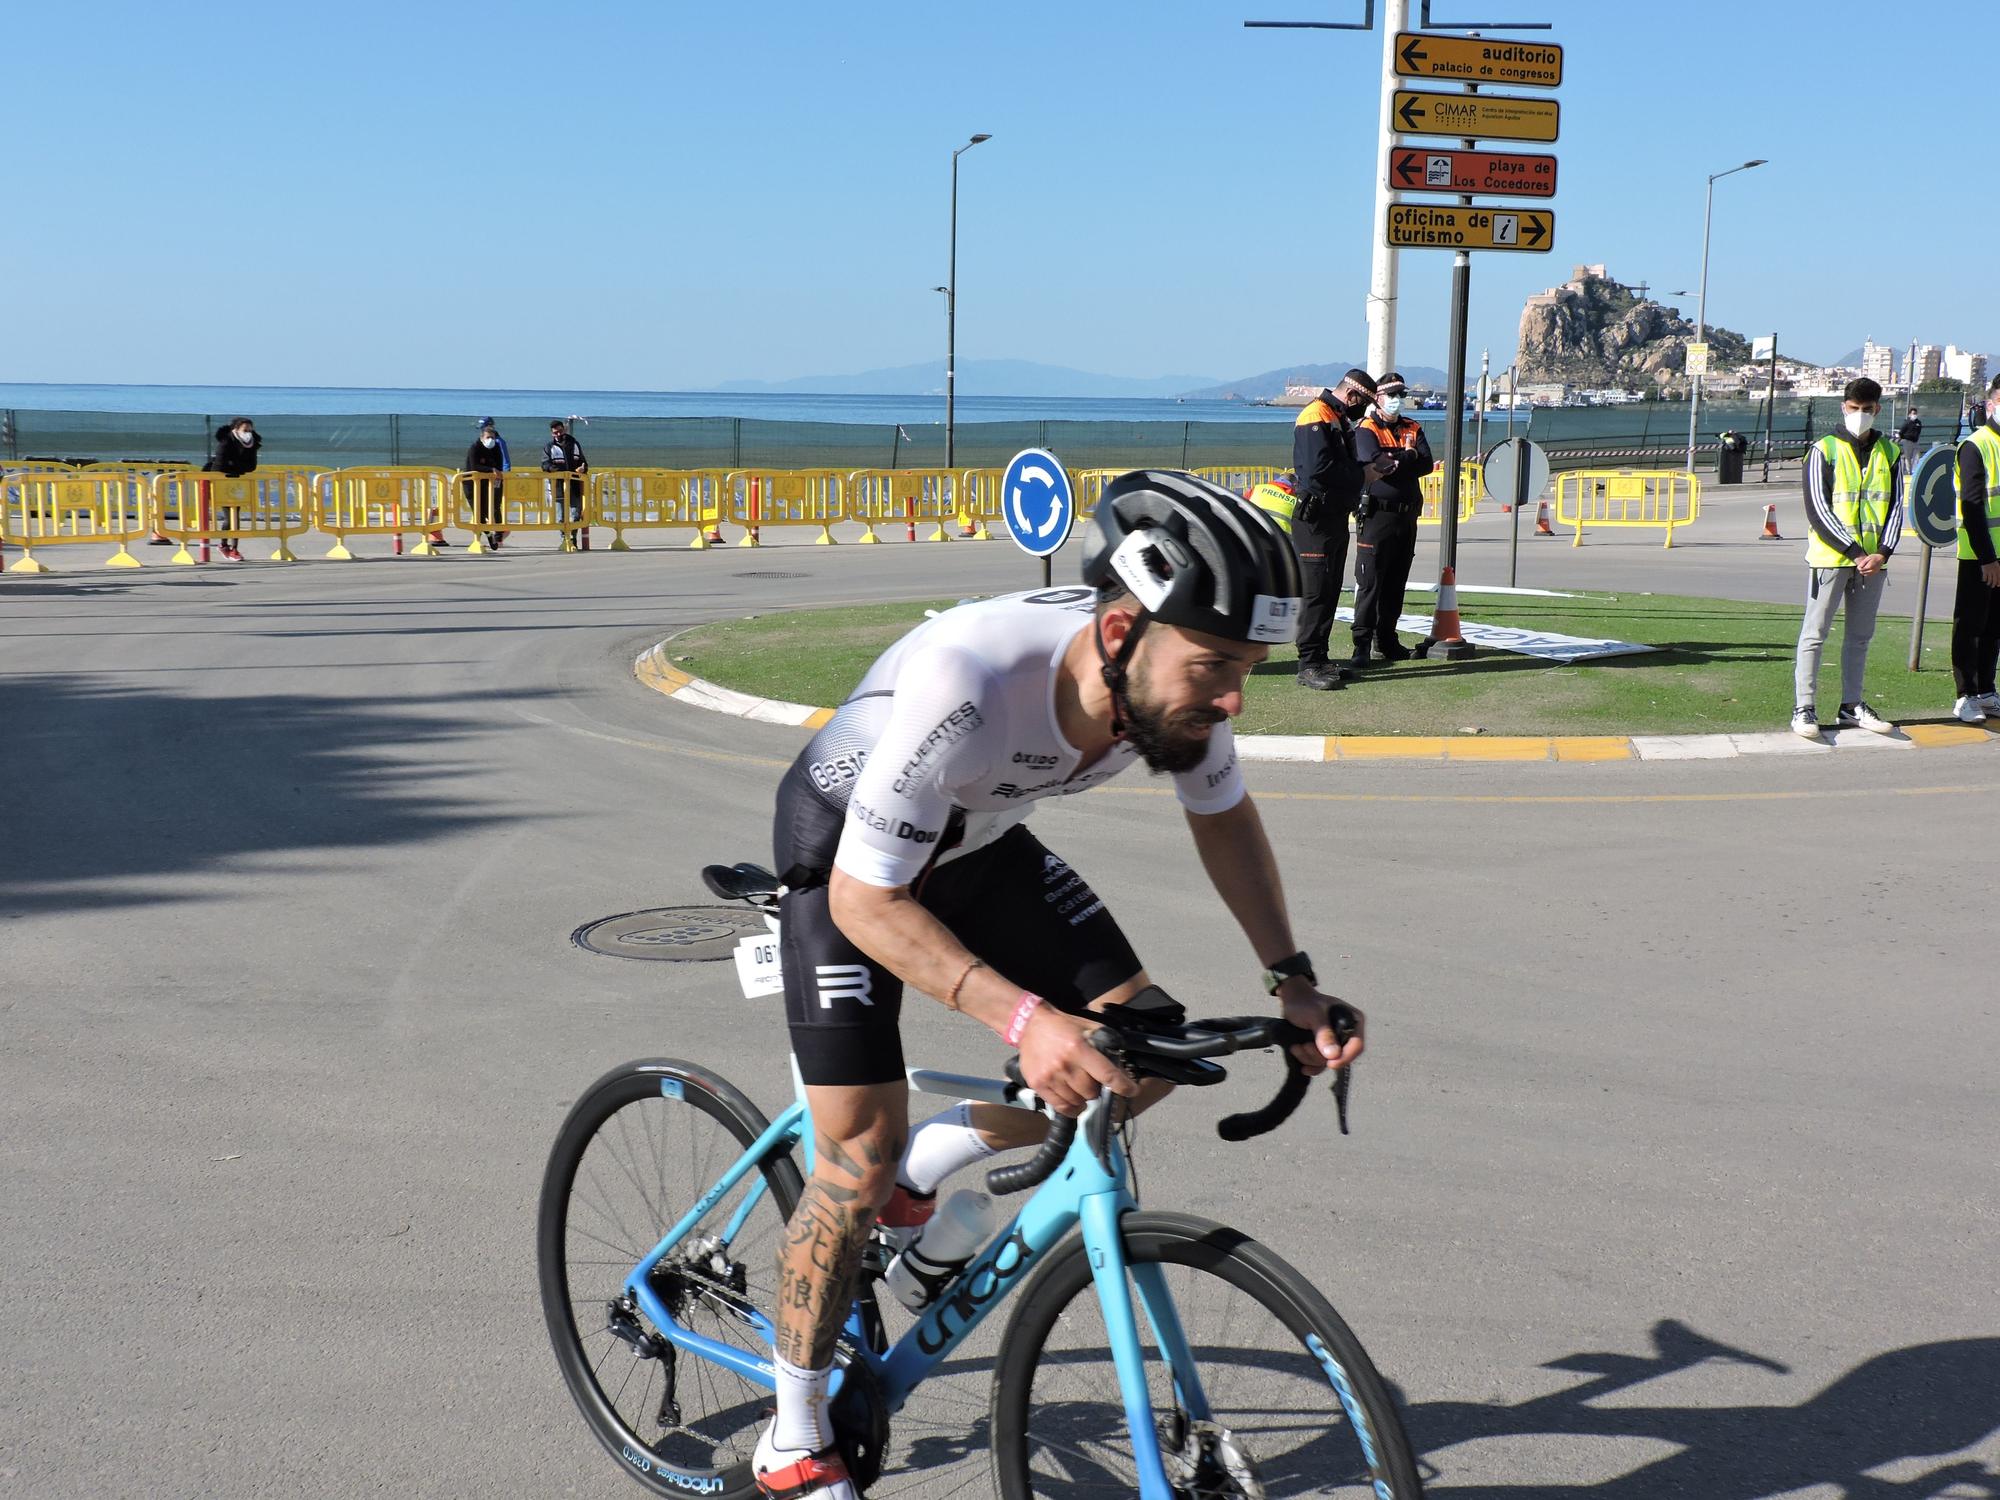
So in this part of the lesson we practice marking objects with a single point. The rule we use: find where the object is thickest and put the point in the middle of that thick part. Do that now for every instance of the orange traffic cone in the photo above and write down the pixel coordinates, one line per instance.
(1445, 631)
(1770, 531)
(1542, 526)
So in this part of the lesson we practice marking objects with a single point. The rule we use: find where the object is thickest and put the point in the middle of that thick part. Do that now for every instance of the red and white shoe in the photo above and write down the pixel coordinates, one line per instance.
(793, 1473)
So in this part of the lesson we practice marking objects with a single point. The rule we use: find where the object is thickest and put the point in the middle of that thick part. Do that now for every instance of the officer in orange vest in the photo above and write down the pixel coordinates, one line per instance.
(1329, 487)
(1394, 455)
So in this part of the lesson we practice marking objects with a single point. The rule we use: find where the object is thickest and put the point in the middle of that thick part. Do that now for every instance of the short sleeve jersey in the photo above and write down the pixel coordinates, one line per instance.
(956, 724)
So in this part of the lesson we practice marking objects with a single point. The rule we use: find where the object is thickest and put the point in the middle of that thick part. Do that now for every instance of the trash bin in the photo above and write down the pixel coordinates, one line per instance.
(1729, 463)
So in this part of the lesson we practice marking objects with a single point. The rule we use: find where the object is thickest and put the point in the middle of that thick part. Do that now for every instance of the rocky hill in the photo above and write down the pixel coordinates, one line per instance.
(1595, 332)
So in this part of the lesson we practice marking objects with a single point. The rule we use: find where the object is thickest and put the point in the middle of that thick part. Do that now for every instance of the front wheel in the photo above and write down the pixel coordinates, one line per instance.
(1293, 1405)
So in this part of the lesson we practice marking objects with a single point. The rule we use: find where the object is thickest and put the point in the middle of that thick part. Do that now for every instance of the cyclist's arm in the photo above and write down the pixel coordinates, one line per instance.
(1236, 853)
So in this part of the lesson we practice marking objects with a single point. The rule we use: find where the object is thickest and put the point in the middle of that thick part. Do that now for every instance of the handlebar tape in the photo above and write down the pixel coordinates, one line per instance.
(1003, 1180)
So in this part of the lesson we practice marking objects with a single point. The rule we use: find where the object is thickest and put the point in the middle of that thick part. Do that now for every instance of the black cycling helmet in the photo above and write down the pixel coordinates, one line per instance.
(1194, 555)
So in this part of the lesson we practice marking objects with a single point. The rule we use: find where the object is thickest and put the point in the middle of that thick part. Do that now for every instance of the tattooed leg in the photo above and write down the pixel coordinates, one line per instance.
(858, 1139)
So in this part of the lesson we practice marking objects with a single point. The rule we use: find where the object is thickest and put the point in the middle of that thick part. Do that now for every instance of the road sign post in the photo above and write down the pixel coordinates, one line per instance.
(1517, 471)
(1932, 506)
(1038, 504)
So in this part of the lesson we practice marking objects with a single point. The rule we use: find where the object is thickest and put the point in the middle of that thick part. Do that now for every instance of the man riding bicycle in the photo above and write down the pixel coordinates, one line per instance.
(900, 841)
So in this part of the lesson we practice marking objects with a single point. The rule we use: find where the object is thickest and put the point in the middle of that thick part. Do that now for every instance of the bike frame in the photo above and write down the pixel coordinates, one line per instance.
(1081, 1192)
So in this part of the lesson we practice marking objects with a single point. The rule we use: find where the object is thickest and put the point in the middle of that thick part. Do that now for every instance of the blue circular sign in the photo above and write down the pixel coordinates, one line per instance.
(1036, 498)
(1933, 497)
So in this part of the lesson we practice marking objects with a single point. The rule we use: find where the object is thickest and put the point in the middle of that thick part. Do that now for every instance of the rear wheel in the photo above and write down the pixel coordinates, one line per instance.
(1294, 1405)
(638, 1150)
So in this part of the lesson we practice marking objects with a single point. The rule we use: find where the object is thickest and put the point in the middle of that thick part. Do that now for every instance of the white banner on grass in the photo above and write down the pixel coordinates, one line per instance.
(1548, 644)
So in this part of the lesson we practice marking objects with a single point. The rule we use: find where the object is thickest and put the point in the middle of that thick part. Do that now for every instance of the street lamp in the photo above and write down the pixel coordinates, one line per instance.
(1701, 306)
(951, 310)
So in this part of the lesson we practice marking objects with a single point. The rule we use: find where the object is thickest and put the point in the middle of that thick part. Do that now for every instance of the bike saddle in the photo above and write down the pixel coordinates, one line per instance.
(744, 882)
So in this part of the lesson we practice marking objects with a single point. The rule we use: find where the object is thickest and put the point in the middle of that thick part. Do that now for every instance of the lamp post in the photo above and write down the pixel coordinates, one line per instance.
(1701, 306)
(951, 312)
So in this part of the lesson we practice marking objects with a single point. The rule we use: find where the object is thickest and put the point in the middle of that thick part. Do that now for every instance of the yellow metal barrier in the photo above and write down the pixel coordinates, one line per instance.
(521, 500)
(192, 506)
(53, 509)
(785, 497)
(1089, 486)
(1471, 485)
(979, 502)
(377, 502)
(627, 499)
(1241, 478)
(905, 497)
(1627, 497)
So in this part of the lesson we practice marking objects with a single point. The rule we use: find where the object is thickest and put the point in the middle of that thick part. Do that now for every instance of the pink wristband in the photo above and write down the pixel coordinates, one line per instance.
(1023, 1013)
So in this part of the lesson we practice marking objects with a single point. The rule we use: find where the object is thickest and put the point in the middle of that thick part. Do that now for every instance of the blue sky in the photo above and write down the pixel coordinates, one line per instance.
(662, 196)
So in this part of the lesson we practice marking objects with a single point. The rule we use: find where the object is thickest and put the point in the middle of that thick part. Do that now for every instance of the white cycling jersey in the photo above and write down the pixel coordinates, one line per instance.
(960, 714)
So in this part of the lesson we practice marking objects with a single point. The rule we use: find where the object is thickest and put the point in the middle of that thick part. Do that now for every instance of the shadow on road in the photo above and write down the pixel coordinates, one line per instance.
(1920, 1403)
(119, 791)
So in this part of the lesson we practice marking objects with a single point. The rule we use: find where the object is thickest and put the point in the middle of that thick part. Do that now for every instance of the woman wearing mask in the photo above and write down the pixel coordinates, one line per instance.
(234, 454)
(486, 456)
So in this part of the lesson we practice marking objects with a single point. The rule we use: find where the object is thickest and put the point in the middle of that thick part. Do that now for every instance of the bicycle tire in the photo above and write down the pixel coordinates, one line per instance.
(665, 1463)
(1073, 1447)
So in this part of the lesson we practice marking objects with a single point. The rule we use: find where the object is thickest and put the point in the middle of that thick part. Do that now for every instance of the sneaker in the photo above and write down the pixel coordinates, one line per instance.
(1990, 702)
(231, 554)
(1323, 676)
(1392, 651)
(1969, 710)
(793, 1473)
(1805, 724)
(1861, 716)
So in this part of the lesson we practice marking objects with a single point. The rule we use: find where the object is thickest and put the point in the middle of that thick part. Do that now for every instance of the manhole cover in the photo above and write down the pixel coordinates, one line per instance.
(677, 934)
(754, 573)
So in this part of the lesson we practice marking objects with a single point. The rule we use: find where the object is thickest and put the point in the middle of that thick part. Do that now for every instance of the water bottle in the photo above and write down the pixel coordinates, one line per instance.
(962, 1224)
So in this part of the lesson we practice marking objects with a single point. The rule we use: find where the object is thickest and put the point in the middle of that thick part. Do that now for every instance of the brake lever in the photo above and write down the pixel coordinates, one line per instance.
(1105, 1126)
(1342, 1021)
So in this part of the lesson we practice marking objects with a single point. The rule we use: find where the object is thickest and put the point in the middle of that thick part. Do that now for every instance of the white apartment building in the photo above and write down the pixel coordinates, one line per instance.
(1962, 364)
(1878, 362)
(1928, 360)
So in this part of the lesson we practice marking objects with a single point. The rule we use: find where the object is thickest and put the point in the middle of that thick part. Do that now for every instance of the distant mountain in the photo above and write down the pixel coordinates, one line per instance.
(983, 377)
(1273, 382)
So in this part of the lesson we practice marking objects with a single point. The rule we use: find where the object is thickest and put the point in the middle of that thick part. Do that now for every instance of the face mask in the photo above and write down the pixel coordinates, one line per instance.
(1391, 406)
(1358, 409)
(1858, 423)
(245, 435)
(489, 442)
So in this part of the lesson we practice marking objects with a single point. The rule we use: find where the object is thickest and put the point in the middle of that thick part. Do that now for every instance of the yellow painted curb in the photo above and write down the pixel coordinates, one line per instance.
(1930, 736)
(1594, 747)
(1498, 747)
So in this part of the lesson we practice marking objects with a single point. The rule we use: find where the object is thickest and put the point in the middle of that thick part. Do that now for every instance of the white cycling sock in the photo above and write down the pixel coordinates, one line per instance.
(939, 1147)
(802, 1420)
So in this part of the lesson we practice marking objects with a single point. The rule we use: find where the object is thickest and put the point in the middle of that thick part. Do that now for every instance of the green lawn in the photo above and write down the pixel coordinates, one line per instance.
(1721, 666)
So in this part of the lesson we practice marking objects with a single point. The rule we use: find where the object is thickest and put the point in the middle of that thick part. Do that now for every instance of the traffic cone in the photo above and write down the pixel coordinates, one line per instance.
(1542, 526)
(1770, 531)
(1445, 630)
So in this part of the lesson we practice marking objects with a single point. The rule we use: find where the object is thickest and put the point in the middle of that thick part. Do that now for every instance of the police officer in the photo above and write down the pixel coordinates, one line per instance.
(1975, 613)
(1278, 498)
(1329, 488)
(1394, 455)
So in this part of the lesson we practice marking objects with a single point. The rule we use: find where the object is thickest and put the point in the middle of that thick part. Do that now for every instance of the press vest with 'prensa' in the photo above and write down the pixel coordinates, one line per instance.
(1860, 500)
(1277, 502)
(1987, 441)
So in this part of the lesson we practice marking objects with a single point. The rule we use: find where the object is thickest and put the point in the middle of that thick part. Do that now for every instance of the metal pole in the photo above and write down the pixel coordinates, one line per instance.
(951, 328)
(1770, 407)
(1700, 323)
(1520, 453)
(1511, 398)
(1454, 432)
(1479, 441)
(1382, 265)
(1923, 597)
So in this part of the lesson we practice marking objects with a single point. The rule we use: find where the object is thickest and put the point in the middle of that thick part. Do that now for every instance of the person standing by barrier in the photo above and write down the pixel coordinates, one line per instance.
(233, 456)
(1854, 507)
(486, 456)
(1394, 456)
(1975, 612)
(486, 425)
(1908, 436)
(564, 455)
(1329, 487)
(1278, 498)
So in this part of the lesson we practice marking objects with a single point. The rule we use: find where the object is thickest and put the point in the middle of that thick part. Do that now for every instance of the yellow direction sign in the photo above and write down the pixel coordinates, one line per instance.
(1500, 117)
(1419, 226)
(1534, 65)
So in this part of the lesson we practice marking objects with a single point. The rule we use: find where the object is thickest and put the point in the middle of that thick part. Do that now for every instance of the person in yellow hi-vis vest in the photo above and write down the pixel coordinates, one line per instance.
(1277, 498)
(1975, 612)
(1854, 509)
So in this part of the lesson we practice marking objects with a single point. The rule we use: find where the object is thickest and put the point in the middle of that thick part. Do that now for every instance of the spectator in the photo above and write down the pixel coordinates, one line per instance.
(564, 455)
(1394, 456)
(1907, 437)
(1329, 487)
(486, 425)
(1854, 507)
(487, 456)
(1975, 611)
(233, 455)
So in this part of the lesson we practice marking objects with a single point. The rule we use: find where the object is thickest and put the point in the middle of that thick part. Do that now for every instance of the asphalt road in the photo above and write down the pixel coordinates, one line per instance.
(1673, 1165)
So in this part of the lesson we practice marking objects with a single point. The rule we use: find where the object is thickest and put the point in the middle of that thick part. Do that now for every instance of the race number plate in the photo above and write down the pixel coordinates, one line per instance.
(759, 969)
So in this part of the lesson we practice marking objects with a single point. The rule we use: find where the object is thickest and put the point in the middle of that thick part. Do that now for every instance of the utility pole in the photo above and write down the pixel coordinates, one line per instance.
(1383, 263)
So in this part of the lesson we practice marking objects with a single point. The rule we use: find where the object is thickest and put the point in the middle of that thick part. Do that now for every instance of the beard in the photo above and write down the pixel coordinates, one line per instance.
(1166, 742)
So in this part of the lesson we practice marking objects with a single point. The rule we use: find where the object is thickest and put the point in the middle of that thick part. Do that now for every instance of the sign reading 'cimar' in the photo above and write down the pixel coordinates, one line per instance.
(1503, 117)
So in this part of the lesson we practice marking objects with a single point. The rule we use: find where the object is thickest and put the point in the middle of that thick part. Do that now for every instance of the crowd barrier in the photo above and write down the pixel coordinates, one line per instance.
(521, 500)
(906, 498)
(60, 508)
(784, 497)
(275, 505)
(1664, 498)
(1471, 485)
(632, 499)
(1242, 478)
(377, 502)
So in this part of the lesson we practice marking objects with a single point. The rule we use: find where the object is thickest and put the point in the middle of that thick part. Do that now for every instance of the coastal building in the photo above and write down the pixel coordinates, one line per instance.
(1963, 365)
(1928, 358)
(1878, 363)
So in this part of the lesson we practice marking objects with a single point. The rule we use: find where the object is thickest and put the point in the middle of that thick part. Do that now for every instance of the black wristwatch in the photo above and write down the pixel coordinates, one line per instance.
(1298, 966)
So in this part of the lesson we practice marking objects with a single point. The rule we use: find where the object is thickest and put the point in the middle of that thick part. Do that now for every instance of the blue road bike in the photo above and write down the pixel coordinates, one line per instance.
(1151, 1354)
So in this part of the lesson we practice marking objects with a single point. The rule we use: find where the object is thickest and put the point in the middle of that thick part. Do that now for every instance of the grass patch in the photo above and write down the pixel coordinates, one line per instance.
(1719, 665)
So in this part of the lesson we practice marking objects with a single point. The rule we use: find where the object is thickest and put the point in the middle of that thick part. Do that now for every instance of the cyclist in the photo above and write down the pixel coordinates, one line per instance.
(900, 839)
